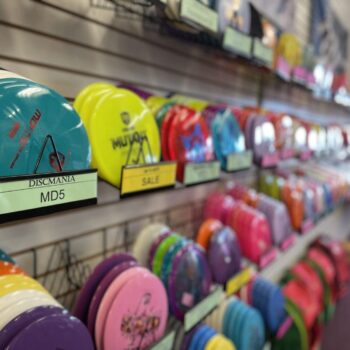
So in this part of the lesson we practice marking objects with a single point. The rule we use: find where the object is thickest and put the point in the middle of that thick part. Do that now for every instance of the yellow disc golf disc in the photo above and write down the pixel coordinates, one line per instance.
(91, 100)
(12, 283)
(154, 103)
(79, 100)
(122, 132)
(219, 342)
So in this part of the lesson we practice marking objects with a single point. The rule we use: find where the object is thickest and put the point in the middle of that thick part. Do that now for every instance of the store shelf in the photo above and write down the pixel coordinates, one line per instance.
(110, 211)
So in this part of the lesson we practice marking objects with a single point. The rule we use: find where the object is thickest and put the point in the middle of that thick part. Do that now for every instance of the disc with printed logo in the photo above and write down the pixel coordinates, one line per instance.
(189, 281)
(138, 313)
(189, 138)
(122, 131)
(33, 116)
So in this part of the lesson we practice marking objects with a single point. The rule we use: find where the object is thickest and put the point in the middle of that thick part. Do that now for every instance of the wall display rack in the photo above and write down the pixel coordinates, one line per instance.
(60, 250)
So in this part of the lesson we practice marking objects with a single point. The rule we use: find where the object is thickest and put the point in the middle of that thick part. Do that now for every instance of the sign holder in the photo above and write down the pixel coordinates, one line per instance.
(197, 173)
(239, 161)
(137, 178)
(26, 196)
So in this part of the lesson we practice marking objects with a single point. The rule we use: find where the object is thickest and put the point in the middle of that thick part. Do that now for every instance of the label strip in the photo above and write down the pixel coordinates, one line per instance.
(139, 178)
(201, 310)
(39, 191)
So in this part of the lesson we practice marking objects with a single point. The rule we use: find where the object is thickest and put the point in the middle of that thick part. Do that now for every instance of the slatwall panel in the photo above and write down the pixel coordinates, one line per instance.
(68, 44)
(297, 100)
(302, 20)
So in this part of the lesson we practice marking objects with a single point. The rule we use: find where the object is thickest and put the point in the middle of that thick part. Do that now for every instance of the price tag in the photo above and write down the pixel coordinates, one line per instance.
(27, 196)
(239, 280)
(139, 178)
(166, 343)
(268, 258)
(288, 242)
(239, 161)
(284, 327)
(237, 42)
(300, 75)
(201, 172)
(307, 226)
(262, 52)
(287, 153)
(283, 68)
(270, 160)
(305, 155)
(202, 309)
(198, 13)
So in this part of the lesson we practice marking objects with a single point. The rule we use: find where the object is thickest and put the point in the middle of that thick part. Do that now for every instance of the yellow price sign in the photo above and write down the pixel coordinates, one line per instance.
(239, 280)
(145, 177)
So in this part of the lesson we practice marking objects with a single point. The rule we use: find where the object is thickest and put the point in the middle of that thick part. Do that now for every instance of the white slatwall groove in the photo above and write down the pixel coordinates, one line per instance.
(302, 20)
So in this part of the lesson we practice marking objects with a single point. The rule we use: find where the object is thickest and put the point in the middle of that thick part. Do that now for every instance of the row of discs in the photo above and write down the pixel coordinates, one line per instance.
(203, 337)
(123, 304)
(222, 248)
(240, 323)
(180, 263)
(250, 225)
(28, 312)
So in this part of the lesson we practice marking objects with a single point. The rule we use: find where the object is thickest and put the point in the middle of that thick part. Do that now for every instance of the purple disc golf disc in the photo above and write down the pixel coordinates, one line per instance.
(53, 332)
(22, 321)
(101, 289)
(189, 281)
(224, 255)
(277, 216)
(84, 298)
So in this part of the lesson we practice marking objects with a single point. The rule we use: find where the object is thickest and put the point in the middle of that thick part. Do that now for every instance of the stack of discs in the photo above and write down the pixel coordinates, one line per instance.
(180, 263)
(283, 125)
(243, 193)
(294, 336)
(185, 137)
(269, 300)
(292, 196)
(30, 114)
(252, 230)
(227, 135)
(322, 264)
(277, 216)
(121, 129)
(28, 312)
(124, 305)
(204, 337)
(304, 273)
(222, 247)
(250, 225)
(336, 253)
(218, 206)
(243, 325)
(260, 136)
(304, 304)
(271, 185)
